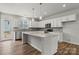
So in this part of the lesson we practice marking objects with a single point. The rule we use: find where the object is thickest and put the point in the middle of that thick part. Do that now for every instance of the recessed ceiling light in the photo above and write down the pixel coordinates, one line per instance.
(64, 5)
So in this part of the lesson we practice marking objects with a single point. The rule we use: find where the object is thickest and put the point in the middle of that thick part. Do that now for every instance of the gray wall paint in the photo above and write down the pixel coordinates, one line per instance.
(70, 29)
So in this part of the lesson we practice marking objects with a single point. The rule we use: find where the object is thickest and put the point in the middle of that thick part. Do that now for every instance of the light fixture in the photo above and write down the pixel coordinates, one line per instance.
(64, 5)
(33, 14)
(40, 12)
(40, 17)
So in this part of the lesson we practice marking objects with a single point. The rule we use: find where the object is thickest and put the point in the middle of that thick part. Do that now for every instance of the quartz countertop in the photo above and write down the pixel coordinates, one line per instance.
(40, 33)
(20, 30)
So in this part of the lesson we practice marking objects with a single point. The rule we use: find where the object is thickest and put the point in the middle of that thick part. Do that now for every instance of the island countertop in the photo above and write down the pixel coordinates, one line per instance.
(40, 33)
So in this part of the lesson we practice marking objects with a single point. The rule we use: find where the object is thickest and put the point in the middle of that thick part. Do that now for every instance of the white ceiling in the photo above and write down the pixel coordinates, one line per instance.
(25, 9)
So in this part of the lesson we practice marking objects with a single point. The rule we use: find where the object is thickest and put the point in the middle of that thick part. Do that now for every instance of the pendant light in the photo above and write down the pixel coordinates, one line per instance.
(40, 12)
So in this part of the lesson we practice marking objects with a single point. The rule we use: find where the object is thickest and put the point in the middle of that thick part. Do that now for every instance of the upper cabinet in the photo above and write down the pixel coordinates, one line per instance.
(34, 24)
(58, 22)
(42, 24)
(69, 18)
(55, 22)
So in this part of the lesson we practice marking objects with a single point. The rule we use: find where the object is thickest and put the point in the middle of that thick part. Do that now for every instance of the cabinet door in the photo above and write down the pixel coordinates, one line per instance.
(42, 24)
(34, 24)
(69, 18)
(72, 17)
(55, 22)
(52, 23)
(39, 24)
(65, 18)
(45, 21)
(58, 23)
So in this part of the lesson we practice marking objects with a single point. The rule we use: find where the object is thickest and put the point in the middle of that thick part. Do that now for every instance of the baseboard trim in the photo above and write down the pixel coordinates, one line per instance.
(72, 42)
(5, 40)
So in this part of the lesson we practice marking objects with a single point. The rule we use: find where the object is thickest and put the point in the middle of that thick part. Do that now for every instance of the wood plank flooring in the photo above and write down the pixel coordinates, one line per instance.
(65, 48)
(17, 48)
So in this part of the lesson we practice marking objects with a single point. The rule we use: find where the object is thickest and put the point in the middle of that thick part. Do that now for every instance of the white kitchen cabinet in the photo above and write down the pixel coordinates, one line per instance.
(47, 21)
(52, 22)
(41, 24)
(34, 24)
(72, 17)
(56, 23)
(69, 18)
(64, 19)
(46, 43)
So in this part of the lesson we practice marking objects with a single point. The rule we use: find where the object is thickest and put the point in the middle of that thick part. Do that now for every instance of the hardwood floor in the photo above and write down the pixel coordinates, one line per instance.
(65, 48)
(17, 48)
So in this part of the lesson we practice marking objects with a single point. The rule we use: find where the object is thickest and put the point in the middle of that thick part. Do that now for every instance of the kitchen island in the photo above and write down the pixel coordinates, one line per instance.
(46, 43)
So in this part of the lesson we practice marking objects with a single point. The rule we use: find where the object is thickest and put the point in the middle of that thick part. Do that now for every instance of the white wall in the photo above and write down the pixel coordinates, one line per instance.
(0, 26)
(15, 21)
(70, 29)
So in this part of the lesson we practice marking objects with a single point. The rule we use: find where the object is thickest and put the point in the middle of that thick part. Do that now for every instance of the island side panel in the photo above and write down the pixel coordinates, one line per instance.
(35, 42)
(49, 45)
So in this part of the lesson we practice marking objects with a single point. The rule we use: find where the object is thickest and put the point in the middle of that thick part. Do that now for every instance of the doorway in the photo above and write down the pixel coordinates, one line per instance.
(5, 29)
